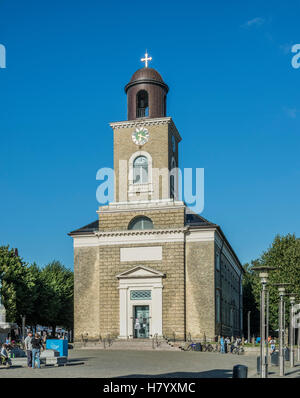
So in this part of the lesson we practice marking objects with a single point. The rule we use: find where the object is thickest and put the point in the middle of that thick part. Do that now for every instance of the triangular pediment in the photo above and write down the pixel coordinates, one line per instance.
(140, 272)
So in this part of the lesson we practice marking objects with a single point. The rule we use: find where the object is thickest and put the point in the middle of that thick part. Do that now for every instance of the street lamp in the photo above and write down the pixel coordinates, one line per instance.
(292, 330)
(296, 326)
(264, 327)
(298, 334)
(249, 312)
(281, 290)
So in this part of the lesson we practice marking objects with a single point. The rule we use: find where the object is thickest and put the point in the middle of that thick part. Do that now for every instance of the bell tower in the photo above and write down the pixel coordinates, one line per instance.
(146, 94)
(146, 144)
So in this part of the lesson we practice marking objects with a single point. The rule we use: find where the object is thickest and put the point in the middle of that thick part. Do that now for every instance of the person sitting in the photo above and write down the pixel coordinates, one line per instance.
(5, 360)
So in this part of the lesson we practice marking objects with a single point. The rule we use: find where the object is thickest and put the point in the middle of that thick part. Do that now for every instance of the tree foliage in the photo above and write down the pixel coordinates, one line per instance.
(15, 284)
(284, 256)
(44, 295)
(57, 300)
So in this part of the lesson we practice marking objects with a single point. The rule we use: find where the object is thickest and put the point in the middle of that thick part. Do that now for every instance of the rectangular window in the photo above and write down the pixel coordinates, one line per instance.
(218, 261)
(140, 295)
(218, 306)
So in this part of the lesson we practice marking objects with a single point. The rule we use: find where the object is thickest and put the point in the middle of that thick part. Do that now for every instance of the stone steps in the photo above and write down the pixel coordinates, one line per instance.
(142, 345)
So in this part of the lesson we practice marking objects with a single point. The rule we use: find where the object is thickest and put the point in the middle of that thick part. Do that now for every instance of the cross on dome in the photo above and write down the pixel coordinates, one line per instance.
(146, 59)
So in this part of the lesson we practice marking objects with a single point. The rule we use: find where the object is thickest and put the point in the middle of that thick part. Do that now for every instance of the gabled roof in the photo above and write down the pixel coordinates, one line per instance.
(140, 271)
(87, 229)
(193, 219)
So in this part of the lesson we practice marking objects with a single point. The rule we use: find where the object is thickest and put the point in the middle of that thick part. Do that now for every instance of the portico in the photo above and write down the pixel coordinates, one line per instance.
(140, 287)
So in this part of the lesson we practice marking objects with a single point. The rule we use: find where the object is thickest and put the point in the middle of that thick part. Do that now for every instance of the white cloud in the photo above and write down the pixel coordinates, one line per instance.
(258, 21)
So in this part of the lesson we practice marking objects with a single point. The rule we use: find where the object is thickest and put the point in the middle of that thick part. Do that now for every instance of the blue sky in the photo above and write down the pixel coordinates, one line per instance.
(234, 97)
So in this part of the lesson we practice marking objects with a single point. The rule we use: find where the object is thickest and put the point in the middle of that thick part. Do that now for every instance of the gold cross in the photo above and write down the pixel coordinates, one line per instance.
(146, 59)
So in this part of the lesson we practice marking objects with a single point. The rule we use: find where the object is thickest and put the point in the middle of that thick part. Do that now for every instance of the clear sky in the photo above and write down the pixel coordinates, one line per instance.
(234, 97)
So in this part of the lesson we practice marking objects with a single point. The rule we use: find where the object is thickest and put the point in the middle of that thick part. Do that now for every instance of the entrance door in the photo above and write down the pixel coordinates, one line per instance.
(141, 321)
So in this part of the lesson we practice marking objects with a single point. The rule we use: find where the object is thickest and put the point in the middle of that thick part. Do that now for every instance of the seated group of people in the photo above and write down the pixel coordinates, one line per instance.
(33, 346)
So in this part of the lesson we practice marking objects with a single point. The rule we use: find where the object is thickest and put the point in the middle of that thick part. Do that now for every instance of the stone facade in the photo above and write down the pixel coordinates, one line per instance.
(200, 289)
(172, 266)
(159, 147)
(162, 219)
(190, 282)
(86, 291)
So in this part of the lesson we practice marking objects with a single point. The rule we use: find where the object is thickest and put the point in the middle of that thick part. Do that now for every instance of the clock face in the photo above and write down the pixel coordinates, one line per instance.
(173, 143)
(140, 136)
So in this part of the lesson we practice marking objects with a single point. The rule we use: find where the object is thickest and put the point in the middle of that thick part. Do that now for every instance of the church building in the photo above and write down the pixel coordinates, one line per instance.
(149, 265)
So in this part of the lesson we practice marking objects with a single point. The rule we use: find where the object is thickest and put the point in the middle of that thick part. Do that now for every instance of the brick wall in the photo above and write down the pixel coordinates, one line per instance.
(200, 289)
(86, 291)
(162, 219)
(97, 304)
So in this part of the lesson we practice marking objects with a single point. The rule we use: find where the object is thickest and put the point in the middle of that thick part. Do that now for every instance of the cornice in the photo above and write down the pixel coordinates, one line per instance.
(145, 232)
(144, 205)
(143, 122)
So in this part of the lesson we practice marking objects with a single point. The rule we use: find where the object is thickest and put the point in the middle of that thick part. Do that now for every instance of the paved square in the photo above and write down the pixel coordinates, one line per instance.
(103, 363)
(94, 363)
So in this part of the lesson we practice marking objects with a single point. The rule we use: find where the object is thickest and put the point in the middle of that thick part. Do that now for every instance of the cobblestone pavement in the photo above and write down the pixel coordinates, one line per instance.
(100, 363)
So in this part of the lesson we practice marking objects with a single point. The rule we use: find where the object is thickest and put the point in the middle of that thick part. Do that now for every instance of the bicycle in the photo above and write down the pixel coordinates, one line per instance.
(238, 350)
(217, 348)
(191, 346)
(207, 347)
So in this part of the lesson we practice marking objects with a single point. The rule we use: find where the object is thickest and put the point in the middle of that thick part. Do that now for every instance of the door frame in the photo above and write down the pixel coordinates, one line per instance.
(140, 278)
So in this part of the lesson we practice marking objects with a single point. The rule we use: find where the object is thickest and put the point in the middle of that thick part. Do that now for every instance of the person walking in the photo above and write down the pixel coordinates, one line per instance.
(227, 344)
(222, 343)
(28, 348)
(37, 344)
(272, 342)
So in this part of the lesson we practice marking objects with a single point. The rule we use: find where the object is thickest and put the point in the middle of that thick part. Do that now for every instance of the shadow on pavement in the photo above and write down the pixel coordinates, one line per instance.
(215, 373)
(78, 359)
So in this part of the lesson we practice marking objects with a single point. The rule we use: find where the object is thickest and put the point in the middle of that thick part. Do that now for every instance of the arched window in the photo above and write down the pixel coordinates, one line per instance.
(140, 170)
(142, 104)
(141, 223)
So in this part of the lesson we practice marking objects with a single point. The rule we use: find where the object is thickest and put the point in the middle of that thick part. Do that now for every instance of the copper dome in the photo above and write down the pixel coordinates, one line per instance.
(146, 75)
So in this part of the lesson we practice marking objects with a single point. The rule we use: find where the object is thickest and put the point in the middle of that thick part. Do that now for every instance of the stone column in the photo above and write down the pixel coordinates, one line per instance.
(123, 292)
(156, 324)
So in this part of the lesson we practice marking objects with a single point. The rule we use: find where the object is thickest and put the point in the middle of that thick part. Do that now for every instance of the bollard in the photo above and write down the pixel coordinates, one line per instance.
(275, 358)
(240, 372)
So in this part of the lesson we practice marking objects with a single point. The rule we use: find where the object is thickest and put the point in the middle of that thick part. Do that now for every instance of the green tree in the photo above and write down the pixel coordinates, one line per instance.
(284, 256)
(36, 288)
(55, 306)
(16, 284)
(44, 295)
(249, 302)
